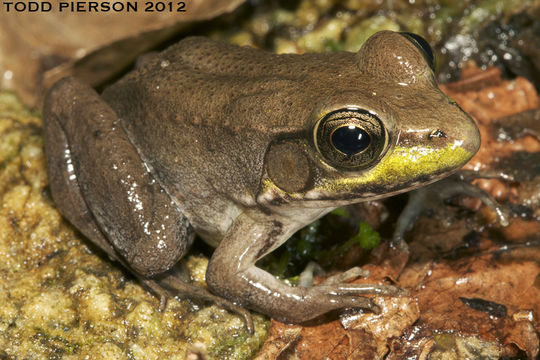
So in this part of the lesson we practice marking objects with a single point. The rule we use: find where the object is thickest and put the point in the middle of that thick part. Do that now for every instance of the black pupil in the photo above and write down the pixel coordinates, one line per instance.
(350, 140)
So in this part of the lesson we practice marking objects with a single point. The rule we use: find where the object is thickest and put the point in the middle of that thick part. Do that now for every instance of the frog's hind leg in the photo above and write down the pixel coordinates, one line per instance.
(103, 188)
(68, 197)
(101, 185)
(95, 159)
(64, 186)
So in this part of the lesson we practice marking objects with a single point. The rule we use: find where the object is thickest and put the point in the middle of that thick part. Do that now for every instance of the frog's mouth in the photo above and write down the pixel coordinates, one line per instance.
(405, 167)
(321, 197)
(402, 170)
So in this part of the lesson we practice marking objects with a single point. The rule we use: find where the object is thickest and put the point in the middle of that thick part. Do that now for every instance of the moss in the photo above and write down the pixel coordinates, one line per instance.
(358, 34)
(452, 346)
(59, 299)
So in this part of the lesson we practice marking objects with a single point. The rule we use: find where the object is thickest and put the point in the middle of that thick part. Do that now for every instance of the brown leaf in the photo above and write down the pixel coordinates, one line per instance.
(523, 335)
(465, 296)
(359, 335)
(279, 340)
(491, 104)
(32, 43)
(415, 343)
(494, 99)
(331, 341)
(397, 314)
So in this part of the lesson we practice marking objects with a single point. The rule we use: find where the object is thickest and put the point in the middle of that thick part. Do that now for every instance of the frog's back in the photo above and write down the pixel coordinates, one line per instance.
(220, 58)
(204, 106)
(214, 82)
(203, 113)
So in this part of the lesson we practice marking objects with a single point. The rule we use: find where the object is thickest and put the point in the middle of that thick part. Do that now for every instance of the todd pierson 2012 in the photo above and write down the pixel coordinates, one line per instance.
(93, 6)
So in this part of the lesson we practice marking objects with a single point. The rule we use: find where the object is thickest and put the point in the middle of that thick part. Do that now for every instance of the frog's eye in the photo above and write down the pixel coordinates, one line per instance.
(422, 45)
(350, 138)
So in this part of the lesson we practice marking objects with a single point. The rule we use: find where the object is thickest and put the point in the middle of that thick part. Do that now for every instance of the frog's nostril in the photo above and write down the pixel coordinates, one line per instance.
(438, 133)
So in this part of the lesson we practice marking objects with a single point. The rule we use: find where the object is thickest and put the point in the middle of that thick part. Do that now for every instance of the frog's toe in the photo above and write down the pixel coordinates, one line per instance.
(348, 295)
(306, 277)
(158, 290)
(366, 289)
(170, 285)
(347, 275)
(432, 199)
(359, 302)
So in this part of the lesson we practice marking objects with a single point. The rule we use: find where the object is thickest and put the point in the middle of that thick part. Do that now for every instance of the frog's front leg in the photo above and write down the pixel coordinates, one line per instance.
(232, 274)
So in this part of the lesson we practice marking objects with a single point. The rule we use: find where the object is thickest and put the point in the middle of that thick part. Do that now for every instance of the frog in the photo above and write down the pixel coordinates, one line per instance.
(243, 147)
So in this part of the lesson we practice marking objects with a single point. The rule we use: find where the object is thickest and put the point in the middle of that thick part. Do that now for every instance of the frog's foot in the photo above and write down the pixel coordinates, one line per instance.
(169, 285)
(336, 286)
(159, 291)
(365, 289)
(325, 297)
(344, 294)
(431, 198)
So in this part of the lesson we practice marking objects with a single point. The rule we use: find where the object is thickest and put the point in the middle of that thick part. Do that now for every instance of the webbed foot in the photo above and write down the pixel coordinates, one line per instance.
(169, 285)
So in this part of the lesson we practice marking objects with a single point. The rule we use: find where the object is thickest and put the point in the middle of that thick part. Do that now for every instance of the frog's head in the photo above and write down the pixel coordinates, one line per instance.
(385, 128)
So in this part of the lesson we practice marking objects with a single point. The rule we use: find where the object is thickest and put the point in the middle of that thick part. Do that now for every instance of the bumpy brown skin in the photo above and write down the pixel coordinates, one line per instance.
(191, 141)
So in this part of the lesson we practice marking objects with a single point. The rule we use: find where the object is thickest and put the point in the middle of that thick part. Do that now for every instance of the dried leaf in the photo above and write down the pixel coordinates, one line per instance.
(523, 334)
(279, 340)
(331, 341)
(494, 99)
(397, 314)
